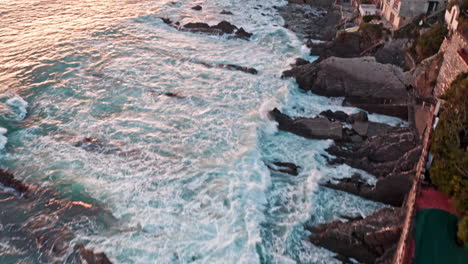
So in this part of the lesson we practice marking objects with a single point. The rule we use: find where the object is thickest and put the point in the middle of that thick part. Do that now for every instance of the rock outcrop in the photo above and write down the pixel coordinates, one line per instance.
(319, 22)
(365, 240)
(221, 28)
(393, 52)
(391, 156)
(284, 167)
(315, 128)
(345, 45)
(36, 221)
(365, 83)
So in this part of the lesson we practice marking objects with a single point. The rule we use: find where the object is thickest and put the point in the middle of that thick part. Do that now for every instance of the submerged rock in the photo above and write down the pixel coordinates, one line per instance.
(197, 8)
(225, 12)
(37, 223)
(238, 68)
(284, 167)
(365, 240)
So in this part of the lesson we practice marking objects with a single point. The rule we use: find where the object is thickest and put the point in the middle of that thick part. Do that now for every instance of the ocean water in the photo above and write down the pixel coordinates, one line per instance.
(186, 176)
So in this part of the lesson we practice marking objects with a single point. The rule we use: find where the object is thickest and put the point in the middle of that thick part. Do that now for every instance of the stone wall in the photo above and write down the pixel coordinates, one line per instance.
(454, 47)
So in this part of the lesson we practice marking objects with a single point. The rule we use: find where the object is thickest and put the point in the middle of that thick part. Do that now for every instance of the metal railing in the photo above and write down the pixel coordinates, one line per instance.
(401, 255)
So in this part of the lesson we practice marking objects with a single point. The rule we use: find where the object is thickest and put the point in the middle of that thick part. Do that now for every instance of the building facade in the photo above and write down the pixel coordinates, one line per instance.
(400, 12)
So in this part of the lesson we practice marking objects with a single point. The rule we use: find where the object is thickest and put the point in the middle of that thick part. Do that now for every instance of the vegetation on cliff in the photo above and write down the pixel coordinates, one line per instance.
(449, 147)
(429, 43)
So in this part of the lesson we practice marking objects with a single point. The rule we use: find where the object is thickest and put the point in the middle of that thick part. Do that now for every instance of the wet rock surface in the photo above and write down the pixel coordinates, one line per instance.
(197, 8)
(284, 167)
(384, 91)
(315, 128)
(38, 223)
(311, 22)
(346, 45)
(222, 28)
(365, 240)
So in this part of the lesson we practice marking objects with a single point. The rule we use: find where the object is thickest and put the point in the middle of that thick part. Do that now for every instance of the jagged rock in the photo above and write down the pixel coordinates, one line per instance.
(7, 179)
(225, 27)
(242, 34)
(300, 61)
(361, 128)
(337, 115)
(173, 95)
(358, 117)
(224, 12)
(221, 28)
(284, 167)
(311, 22)
(37, 223)
(238, 68)
(88, 256)
(359, 239)
(166, 20)
(197, 8)
(392, 152)
(345, 45)
(315, 128)
(390, 190)
(393, 52)
(384, 91)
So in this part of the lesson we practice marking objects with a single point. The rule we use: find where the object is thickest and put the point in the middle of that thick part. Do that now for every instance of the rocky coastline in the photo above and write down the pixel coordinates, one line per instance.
(369, 75)
(39, 222)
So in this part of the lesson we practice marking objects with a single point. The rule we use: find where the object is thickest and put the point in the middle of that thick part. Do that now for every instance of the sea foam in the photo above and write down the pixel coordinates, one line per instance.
(18, 106)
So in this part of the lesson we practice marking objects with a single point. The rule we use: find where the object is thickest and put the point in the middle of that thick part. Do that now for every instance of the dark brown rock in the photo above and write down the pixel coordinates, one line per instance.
(37, 223)
(284, 167)
(224, 12)
(337, 115)
(365, 83)
(315, 128)
(242, 34)
(197, 8)
(7, 179)
(359, 239)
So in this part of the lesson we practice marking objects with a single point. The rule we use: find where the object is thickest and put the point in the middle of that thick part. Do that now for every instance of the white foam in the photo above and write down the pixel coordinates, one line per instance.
(3, 138)
(18, 106)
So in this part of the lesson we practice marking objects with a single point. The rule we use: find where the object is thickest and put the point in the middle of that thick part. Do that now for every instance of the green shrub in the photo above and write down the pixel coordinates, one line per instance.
(463, 230)
(371, 32)
(429, 43)
(449, 171)
(367, 19)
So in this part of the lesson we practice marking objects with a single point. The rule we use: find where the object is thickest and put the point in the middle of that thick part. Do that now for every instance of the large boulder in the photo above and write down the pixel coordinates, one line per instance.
(390, 190)
(393, 52)
(315, 128)
(365, 83)
(396, 150)
(365, 240)
(311, 22)
(345, 45)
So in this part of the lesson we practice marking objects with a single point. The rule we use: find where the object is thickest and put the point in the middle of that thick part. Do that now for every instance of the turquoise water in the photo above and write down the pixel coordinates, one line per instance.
(185, 176)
